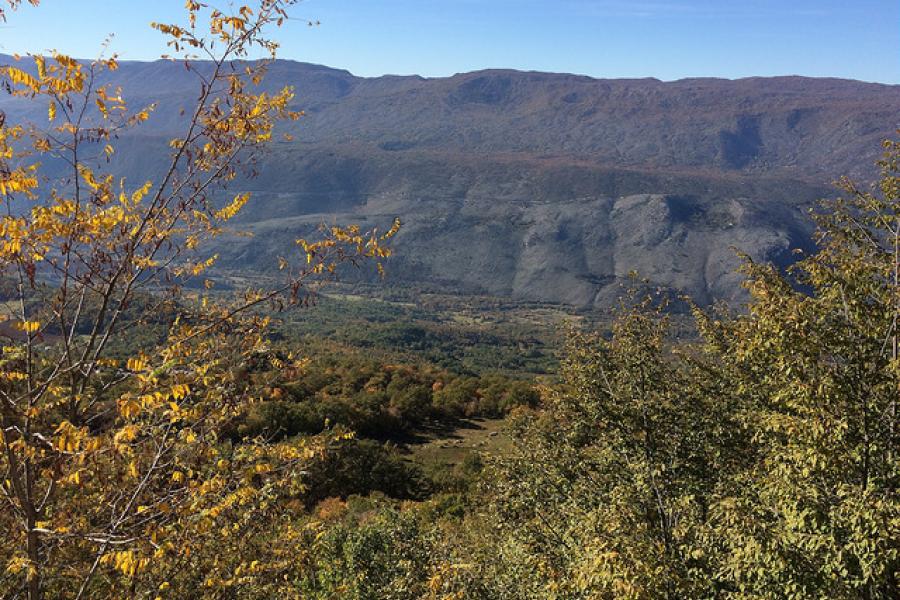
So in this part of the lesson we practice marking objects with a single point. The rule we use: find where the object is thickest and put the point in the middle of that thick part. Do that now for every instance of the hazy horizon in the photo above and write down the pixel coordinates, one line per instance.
(666, 40)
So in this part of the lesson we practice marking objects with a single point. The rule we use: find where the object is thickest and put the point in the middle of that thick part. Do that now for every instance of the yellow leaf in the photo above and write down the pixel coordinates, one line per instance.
(20, 77)
(233, 207)
(136, 364)
(28, 326)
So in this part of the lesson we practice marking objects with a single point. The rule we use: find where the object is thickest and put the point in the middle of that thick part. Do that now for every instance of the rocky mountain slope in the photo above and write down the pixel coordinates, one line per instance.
(541, 186)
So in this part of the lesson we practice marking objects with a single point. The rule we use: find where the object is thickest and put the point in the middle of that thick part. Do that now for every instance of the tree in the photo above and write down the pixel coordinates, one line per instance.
(608, 494)
(814, 367)
(115, 477)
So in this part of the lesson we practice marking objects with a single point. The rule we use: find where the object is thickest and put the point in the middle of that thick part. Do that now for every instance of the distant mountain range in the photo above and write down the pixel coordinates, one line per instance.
(539, 186)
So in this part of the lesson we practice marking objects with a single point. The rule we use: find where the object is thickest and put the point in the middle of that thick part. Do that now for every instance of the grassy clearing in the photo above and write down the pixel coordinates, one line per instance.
(447, 448)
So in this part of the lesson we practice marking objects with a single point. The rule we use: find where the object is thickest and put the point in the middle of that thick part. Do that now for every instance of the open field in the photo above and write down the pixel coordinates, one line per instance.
(447, 448)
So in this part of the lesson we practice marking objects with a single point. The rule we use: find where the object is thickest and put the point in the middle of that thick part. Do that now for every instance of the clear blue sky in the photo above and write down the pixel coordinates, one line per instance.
(668, 39)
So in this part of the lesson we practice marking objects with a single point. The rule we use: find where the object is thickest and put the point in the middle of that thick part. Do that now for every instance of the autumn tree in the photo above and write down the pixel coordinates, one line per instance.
(608, 490)
(814, 366)
(116, 480)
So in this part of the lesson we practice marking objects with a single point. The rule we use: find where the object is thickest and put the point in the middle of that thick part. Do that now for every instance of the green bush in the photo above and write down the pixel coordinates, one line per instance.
(361, 467)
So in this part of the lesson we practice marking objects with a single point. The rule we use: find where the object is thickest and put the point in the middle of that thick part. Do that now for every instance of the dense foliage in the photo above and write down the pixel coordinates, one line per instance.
(378, 400)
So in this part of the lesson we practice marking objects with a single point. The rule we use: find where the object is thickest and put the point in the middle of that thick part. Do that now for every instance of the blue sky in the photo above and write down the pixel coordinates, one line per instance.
(668, 39)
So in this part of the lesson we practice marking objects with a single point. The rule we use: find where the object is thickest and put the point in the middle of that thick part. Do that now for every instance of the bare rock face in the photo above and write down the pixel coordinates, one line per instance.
(537, 186)
(552, 233)
(579, 251)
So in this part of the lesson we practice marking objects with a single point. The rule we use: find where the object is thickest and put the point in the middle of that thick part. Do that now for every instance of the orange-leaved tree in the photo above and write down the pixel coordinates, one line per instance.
(118, 477)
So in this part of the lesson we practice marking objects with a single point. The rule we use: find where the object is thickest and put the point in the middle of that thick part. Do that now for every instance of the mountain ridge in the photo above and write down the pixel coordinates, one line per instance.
(540, 186)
